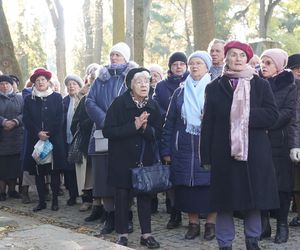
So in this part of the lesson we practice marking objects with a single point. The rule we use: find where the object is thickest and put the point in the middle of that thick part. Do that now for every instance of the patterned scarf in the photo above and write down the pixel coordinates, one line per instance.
(239, 113)
(139, 103)
(193, 102)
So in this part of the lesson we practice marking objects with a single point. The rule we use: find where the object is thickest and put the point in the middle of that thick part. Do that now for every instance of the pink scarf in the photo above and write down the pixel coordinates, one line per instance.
(239, 113)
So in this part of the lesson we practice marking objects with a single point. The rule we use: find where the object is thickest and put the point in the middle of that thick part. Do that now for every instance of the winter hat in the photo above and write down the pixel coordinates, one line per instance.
(123, 49)
(6, 78)
(131, 73)
(239, 45)
(16, 79)
(177, 56)
(156, 68)
(75, 78)
(202, 55)
(40, 72)
(293, 61)
(279, 57)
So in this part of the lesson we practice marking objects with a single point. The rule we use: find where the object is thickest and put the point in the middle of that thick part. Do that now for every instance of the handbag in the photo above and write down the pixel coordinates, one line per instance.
(74, 153)
(150, 179)
(101, 143)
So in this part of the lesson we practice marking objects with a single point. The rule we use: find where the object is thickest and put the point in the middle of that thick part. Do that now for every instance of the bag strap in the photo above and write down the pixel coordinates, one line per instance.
(156, 152)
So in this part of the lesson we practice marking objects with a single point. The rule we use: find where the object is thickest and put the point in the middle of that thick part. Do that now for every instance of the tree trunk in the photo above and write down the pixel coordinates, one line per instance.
(147, 5)
(118, 21)
(203, 23)
(57, 15)
(8, 60)
(129, 25)
(262, 25)
(98, 31)
(88, 29)
(138, 38)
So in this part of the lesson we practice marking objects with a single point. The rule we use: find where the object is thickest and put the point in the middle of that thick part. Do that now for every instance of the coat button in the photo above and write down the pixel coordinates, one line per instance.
(136, 145)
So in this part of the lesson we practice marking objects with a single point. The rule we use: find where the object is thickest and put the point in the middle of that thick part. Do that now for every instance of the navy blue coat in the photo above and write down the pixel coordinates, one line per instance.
(239, 185)
(108, 85)
(186, 168)
(44, 114)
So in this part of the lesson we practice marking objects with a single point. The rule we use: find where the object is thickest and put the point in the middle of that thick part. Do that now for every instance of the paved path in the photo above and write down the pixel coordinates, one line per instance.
(70, 218)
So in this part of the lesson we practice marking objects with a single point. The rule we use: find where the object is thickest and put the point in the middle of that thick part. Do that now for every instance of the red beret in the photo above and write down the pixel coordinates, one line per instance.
(239, 45)
(40, 72)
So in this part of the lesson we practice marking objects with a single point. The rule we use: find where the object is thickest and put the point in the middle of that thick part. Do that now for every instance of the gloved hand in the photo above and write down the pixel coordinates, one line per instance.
(295, 154)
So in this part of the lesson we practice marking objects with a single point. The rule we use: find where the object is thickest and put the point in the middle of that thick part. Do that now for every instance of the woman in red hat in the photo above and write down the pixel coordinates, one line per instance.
(43, 120)
(239, 108)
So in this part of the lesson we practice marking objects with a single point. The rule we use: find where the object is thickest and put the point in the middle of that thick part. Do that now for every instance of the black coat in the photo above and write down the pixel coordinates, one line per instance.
(124, 145)
(285, 94)
(294, 128)
(239, 185)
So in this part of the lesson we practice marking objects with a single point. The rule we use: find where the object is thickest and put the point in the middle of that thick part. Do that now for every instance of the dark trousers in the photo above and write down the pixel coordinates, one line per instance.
(122, 201)
(40, 185)
(71, 183)
(282, 213)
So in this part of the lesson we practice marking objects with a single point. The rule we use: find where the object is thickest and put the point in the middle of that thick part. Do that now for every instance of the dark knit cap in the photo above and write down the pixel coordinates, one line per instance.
(6, 78)
(177, 56)
(131, 73)
(293, 61)
(16, 79)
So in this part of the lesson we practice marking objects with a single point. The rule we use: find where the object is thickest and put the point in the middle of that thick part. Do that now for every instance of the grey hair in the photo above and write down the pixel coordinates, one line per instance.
(215, 41)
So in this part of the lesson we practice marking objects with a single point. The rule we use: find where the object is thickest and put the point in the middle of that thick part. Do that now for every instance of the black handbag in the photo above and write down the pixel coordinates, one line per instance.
(74, 153)
(151, 179)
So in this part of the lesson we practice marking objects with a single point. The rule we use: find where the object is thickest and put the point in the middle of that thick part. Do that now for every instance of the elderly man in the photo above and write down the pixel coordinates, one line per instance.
(216, 51)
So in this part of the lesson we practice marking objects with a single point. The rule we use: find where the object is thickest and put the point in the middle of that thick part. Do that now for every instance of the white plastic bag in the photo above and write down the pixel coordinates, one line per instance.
(42, 152)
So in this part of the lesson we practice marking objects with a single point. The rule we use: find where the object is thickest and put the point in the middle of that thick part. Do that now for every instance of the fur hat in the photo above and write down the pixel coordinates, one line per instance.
(6, 78)
(239, 45)
(278, 56)
(75, 78)
(123, 49)
(40, 72)
(131, 73)
(202, 55)
(177, 56)
(293, 61)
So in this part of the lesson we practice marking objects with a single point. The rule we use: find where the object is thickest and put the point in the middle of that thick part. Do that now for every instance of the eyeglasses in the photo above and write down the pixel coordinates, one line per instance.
(196, 64)
(140, 83)
(179, 64)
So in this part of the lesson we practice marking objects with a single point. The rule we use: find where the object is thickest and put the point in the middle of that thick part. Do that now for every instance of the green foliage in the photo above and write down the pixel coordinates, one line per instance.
(222, 19)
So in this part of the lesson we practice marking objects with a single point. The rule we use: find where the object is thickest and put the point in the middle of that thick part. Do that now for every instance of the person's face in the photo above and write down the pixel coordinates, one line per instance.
(178, 68)
(217, 54)
(116, 58)
(155, 78)
(140, 86)
(5, 87)
(268, 67)
(197, 68)
(72, 88)
(296, 72)
(236, 59)
(41, 83)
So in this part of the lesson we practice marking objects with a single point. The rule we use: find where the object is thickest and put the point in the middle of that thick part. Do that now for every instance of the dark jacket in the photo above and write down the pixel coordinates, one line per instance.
(44, 114)
(164, 91)
(183, 147)
(294, 128)
(239, 185)
(82, 121)
(108, 85)
(124, 144)
(11, 107)
(285, 94)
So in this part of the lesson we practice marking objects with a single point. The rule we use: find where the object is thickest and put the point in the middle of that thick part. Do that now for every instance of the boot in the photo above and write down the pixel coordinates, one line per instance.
(252, 243)
(54, 206)
(265, 226)
(97, 212)
(109, 224)
(25, 195)
(130, 223)
(193, 231)
(209, 232)
(175, 219)
(282, 233)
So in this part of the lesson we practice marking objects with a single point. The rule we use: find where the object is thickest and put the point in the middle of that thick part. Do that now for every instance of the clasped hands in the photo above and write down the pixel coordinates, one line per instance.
(141, 121)
(9, 125)
(43, 135)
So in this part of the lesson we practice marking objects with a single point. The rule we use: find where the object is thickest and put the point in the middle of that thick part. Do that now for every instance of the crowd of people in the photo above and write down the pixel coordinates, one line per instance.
(225, 120)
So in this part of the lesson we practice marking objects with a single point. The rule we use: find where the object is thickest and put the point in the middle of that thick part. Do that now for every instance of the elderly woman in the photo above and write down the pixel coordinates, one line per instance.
(43, 120)
(108, 85)
(157, 75)
(11, 136)
(273, 62)
(132, 120)
(73, 83)
(180, 145)
(239, 108)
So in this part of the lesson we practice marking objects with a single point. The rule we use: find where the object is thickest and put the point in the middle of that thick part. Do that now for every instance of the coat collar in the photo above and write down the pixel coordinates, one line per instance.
(225, 86)
(129, 104)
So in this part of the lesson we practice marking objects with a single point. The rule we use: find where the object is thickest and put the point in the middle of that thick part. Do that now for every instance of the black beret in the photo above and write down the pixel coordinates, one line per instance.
(131, 74)
(6, 78)
(293, 61)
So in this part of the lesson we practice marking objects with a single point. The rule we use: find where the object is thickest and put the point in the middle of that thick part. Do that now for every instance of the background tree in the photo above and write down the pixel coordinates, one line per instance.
(118, 21)
(57, 15)
(88, 28)
(129, 25)
(98, 41)
(8, 61)
(138, 35)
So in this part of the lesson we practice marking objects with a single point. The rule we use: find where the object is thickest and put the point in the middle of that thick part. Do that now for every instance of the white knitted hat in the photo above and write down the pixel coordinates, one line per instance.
(123, 49)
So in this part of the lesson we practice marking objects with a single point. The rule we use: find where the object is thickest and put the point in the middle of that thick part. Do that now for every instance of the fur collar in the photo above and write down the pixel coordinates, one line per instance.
(282, 80)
